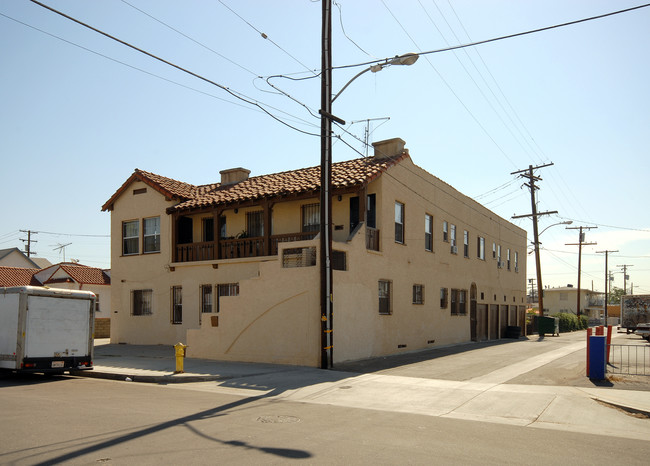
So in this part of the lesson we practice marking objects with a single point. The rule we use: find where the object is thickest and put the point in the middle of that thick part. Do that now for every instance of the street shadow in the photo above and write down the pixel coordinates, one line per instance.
(185, 421)
(10, 379)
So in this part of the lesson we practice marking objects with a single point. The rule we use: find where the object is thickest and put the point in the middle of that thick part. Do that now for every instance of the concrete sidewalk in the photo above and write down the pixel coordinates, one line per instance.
(484, 397)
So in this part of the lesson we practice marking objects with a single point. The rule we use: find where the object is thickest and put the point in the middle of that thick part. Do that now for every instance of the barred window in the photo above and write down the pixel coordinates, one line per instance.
(206, 299)
(385, 301)
(339, 261)
(255, 224)
(310, 217)
(418, 294)
(141, 302)
(177, 305)
(226, 289)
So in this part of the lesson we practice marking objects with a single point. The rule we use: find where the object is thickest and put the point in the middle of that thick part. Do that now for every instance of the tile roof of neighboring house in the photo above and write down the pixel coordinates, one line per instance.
(18, 276)
(344, 175)
(83, 274)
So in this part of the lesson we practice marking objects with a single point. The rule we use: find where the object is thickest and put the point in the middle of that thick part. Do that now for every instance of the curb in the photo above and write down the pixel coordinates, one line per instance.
(167, 379)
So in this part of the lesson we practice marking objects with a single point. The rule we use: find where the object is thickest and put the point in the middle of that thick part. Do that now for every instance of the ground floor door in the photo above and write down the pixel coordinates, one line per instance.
(481, 322)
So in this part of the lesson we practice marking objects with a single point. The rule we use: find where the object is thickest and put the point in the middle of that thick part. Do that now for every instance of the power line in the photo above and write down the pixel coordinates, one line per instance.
(235, 94)
(444, 81)
(190, 38)
(509, 36)
(264, 36)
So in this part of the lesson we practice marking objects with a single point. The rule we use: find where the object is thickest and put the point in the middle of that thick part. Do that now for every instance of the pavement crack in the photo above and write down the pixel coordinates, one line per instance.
(543, 411)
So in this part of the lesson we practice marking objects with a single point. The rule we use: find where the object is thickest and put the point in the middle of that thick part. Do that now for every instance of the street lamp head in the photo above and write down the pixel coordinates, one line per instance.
(568, 222)
(406, 59)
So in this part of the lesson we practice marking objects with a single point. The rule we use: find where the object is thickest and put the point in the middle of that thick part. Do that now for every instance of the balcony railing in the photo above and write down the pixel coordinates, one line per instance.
(235, 248)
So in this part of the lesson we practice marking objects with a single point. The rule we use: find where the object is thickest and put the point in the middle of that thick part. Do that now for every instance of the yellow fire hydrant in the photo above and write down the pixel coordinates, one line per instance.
(179, 351)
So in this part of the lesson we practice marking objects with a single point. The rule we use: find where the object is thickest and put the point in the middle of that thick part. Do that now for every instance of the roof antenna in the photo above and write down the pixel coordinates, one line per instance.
(61, 249)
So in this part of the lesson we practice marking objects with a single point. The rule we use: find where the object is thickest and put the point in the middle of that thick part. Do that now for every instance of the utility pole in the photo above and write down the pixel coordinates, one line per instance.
(626, 277)
(528, 173)
(326, 297)
(580, 243)
(29, 241)
(606, 275)
(611, 279)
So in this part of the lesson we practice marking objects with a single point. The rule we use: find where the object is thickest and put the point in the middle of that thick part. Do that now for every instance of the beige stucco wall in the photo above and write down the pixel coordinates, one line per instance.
(276, 317)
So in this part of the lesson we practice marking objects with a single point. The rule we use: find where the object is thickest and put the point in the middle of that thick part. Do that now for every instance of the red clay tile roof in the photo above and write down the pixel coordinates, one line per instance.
(168, 187)
(84, 275)
(344, 175)
(18, 276)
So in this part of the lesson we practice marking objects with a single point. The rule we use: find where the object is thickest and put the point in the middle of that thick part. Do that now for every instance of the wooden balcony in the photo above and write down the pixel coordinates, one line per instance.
(235, 248)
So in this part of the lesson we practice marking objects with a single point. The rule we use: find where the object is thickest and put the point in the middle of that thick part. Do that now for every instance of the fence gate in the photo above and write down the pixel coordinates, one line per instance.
(629, 359)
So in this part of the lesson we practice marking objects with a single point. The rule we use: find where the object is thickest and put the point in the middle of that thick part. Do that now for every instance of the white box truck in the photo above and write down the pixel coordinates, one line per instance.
(45, 329)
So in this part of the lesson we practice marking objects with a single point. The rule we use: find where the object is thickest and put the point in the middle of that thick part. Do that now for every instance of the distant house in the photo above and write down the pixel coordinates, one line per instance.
(73, 276)
(565, 299)
(68, 276)
(14, 257)
(232, 268)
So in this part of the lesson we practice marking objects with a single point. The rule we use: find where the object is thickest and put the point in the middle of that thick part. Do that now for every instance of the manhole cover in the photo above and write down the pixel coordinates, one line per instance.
(277, 419)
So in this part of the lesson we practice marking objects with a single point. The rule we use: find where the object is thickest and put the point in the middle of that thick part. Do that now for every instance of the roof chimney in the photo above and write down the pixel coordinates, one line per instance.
(389, 148)
(234, 175)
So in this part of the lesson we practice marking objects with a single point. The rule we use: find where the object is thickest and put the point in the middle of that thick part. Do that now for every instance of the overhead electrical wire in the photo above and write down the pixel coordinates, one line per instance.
(509, 36)
(266, 37)
(444, 81)
(189, 38)
(235, 94)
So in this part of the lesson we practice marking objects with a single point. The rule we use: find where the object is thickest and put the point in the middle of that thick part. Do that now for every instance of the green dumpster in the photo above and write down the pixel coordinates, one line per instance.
(549, 325)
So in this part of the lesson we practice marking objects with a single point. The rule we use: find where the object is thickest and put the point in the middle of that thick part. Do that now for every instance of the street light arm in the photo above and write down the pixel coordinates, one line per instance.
(407, 59)
(350, 81)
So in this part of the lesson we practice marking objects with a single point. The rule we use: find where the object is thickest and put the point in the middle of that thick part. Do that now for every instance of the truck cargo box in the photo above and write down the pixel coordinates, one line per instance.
(46, 329)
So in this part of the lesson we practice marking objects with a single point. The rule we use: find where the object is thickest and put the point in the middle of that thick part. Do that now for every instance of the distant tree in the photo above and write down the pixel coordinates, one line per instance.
(615, 296)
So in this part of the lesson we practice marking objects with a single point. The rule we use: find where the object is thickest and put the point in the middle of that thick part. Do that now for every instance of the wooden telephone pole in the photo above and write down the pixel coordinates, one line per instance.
(580, 243)
(528, 174)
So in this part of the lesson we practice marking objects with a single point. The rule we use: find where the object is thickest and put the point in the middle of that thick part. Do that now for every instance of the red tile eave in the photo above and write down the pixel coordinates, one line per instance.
(137, 176)
(340, 187)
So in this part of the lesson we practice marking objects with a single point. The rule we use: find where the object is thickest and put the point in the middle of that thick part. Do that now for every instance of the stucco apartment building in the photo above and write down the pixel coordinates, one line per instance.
(231, 268)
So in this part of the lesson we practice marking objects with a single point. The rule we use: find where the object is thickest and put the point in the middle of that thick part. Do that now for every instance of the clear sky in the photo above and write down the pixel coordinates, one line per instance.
(79, 112)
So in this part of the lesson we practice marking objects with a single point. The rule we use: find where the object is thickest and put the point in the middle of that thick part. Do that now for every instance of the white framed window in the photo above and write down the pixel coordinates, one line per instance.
(428, 232)
(516, 261)
(508, 258)
(445, 231)
(130, 237)
(399, 222)
(453, 234)
(480, 248)
(151, 234)
(465, 243)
